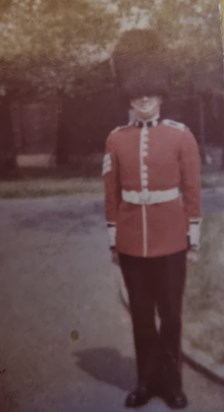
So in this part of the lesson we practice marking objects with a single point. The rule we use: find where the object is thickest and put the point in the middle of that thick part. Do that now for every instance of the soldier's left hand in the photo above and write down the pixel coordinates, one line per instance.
(114, 257)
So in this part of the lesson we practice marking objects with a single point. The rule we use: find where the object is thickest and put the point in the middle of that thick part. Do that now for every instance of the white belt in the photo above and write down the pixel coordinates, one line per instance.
(150, 197)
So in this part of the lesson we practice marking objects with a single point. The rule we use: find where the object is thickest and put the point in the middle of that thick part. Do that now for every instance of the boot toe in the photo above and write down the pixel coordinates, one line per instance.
(138, 397)
(176, 400)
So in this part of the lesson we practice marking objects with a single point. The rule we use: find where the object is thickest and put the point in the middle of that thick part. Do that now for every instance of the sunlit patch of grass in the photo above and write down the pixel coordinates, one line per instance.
(50, 187)
(81, 175)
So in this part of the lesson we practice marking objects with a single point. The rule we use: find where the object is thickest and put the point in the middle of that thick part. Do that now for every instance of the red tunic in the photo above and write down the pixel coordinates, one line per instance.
(144, 161)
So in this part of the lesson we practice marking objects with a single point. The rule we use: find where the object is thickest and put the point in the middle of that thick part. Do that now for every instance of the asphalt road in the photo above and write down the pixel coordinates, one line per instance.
(66, 342)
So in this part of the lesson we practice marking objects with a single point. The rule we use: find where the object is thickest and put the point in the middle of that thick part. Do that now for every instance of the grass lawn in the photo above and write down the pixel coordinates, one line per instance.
(204, 298)
(68, 180)
(41, 187)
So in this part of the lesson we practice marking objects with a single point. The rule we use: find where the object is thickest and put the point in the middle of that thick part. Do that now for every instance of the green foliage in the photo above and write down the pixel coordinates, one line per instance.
(191, 32)
(45, 44)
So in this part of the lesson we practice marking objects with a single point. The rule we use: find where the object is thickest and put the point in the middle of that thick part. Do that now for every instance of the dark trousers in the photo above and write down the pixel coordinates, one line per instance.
(156, 285)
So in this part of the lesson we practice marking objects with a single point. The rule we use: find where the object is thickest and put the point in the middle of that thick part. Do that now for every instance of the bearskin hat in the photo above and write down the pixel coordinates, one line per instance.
(140, 64)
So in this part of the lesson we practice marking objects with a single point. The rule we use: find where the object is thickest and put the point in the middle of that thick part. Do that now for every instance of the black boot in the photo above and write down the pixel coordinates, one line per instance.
(171, 388)
(175, 399)
(138, 397)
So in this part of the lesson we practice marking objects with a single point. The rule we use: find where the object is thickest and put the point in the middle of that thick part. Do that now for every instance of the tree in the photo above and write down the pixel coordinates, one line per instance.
(190, 30)
(49, 43)
(46, 42)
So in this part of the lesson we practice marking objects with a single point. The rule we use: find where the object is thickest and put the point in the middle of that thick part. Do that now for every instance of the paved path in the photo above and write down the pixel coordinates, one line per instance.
(213, 200)
(66, 340)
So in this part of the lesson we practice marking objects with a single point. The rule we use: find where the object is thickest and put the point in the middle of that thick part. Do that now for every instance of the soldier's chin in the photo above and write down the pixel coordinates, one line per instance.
(149, 108)
(146, 113)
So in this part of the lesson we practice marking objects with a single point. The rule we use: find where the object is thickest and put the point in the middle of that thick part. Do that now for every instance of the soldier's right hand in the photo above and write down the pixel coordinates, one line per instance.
(192, 256)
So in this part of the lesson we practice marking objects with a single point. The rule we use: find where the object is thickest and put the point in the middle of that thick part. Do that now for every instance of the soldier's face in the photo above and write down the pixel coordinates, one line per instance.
(146, 107)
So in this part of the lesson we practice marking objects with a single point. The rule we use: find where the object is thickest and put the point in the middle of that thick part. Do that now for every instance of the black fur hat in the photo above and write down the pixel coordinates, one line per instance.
(140, 64)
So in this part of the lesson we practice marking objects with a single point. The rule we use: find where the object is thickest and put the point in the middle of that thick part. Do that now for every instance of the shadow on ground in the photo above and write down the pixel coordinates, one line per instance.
(107, 365)
(7, 401)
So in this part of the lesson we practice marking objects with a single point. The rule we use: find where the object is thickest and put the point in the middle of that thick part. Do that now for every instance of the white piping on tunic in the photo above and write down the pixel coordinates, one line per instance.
(143, 135)
(145, 232)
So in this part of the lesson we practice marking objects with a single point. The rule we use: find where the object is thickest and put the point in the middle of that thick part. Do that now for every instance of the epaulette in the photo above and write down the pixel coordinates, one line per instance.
(120, 128)
(173, 123)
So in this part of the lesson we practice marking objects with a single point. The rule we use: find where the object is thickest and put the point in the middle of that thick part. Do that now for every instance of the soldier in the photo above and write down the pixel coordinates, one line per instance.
(151, 170)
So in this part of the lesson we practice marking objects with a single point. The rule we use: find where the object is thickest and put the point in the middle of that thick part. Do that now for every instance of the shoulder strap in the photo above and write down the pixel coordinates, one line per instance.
(176, 125)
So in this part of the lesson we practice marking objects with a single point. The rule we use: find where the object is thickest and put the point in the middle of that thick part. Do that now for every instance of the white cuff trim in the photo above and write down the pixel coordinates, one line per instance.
(194, 233)
(112, 231)
(195, 220)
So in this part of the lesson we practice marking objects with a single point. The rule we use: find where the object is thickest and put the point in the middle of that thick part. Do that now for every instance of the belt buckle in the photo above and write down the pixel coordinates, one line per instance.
(144, 197)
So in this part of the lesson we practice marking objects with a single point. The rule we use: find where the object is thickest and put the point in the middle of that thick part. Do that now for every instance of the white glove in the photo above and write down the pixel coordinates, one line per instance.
(192, 256)
(114, 257)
